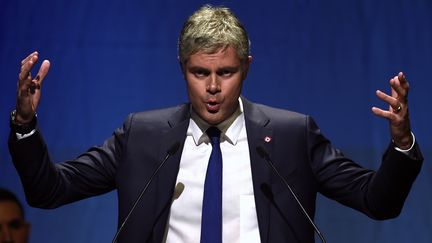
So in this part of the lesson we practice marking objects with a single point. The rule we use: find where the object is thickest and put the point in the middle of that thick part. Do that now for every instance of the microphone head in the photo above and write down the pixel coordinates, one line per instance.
(261, 151)
(173, 149)
(178, 190)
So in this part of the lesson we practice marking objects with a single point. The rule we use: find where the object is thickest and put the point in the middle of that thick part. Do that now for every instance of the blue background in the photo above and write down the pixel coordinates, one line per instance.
(323, 58)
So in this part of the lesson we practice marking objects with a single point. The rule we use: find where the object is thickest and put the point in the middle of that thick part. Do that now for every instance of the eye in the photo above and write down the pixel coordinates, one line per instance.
(226, 72)
(200, 73)
(16, 224)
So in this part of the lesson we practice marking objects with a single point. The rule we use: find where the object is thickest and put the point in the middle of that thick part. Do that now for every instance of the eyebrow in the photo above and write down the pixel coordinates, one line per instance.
(16, 223)
(229, 68)
(198, 68)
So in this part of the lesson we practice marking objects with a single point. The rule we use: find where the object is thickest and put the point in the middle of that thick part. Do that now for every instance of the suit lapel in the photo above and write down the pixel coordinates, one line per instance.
(259, 134)
(175, 132)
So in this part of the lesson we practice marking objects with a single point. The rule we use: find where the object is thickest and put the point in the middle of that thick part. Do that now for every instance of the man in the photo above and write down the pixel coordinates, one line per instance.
(243, 200)
(13, 227)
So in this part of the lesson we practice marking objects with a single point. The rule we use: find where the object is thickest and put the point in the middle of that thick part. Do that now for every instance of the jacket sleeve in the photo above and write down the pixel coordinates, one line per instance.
(380, 194)
(49, 185)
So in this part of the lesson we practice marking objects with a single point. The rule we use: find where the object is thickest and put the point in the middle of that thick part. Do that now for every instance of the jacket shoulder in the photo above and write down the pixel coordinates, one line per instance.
(278, 116)
(163, 114)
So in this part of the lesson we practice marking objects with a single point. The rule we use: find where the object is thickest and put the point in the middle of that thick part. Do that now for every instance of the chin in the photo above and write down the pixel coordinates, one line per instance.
(212, 118)
(212, 121)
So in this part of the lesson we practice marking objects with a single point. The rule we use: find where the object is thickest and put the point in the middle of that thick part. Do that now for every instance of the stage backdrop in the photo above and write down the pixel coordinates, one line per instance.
(323, 58)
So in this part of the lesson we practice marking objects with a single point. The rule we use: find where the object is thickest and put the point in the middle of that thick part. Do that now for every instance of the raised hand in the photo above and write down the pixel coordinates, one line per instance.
(29, 89)
(397, 114)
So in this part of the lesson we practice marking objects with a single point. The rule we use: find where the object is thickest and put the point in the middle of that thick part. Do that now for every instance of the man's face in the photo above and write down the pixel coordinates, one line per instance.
(214, 83)
(13, 228)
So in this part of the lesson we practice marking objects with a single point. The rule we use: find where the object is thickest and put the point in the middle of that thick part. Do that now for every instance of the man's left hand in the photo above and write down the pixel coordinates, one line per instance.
(397, 114)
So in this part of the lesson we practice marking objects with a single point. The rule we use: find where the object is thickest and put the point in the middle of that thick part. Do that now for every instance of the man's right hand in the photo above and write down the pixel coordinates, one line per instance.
(29, 89)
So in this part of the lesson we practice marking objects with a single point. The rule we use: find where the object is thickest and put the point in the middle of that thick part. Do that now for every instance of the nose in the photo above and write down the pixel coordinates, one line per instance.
(213, 85)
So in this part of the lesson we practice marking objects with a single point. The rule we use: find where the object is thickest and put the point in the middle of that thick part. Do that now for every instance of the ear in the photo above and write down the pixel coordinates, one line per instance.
(181, 65)
(246, 65)
(27, 230)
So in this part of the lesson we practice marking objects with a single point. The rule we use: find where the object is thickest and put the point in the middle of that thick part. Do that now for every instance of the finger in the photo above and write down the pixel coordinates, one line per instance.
(25, 77)
(43, 71)
(26, 67)
(382, 113)
(28, 57)
(392, 101)
(398, 91)
(24, 82)
(403, 81)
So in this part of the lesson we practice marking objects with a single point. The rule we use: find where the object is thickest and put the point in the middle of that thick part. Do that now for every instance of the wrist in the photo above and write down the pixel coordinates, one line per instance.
(20, 119)
(22, 127)
(405, 143)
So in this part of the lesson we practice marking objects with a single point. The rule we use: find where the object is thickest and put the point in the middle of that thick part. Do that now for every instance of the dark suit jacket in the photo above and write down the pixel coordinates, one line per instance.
(302, 154)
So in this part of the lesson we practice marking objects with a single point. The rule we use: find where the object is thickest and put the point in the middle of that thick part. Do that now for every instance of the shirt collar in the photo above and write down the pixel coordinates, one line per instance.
(230, 128)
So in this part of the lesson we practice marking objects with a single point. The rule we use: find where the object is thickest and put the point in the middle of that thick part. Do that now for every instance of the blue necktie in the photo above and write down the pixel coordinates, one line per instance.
(211, 221)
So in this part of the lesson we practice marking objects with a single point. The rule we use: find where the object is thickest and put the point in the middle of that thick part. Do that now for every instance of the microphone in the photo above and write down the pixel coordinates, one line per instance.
(172, 150)
(178, 190)
(261, 151)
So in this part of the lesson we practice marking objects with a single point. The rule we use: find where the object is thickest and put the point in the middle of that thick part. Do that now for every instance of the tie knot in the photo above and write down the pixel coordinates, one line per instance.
(214, 134)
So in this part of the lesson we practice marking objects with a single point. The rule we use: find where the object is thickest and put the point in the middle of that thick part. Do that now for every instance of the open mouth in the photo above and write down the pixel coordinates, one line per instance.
(212, 107)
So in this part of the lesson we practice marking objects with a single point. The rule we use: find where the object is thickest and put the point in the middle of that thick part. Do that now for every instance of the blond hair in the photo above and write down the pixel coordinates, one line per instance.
(210, 29)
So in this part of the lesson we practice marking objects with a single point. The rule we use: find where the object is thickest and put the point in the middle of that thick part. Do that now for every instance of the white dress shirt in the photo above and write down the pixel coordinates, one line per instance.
(239, 217)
